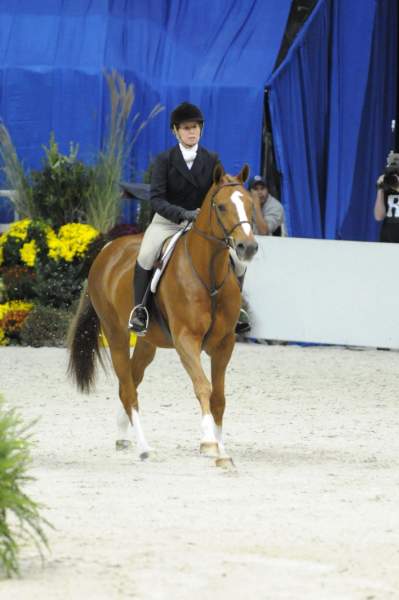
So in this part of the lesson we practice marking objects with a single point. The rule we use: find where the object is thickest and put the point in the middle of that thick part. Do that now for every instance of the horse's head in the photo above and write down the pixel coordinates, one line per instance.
(231, 212)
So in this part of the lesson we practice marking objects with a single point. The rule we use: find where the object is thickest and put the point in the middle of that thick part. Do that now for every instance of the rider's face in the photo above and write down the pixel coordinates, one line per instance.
(189, 133)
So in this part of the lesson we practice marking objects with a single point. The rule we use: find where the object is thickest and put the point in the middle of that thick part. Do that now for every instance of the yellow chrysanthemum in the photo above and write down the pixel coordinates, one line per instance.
(19, 229)
(71, 242)
(28, 253)
(1, 254)
(19, 305)
(3, 339)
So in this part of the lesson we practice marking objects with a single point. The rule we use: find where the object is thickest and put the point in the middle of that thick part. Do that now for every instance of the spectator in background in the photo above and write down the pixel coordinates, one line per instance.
(268, 213)
(386, 208)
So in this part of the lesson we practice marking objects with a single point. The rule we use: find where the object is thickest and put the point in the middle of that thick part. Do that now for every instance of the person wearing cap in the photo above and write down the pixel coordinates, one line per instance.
(268, 211)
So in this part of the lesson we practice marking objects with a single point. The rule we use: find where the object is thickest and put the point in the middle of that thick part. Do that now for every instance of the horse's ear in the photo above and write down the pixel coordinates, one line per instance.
(218, 173)
(243, 174)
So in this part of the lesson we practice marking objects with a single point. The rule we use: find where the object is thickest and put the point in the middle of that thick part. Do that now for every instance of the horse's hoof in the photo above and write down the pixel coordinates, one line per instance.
(146, 454)
(209, 449)
(123, 444)
(225, 463)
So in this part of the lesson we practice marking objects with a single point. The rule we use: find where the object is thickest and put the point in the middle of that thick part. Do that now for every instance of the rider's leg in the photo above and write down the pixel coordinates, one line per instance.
(243, 324)
(156, 233)
(139, 318)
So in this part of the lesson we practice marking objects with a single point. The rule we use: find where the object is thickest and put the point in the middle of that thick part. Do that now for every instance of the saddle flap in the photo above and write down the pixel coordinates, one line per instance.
(164, 259)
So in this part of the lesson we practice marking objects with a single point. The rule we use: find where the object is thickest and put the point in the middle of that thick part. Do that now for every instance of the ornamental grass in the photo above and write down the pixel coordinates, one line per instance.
(15, 177)
(104, 209)
(21, 521)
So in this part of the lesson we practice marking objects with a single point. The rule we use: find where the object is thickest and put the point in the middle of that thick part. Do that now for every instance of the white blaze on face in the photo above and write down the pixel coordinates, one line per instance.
(242, 215)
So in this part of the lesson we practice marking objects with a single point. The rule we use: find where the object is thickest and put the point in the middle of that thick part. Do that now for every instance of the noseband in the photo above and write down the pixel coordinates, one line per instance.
(227, 240)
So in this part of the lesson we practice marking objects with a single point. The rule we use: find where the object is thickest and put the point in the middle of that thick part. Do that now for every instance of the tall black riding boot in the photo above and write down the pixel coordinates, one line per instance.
(139, 317)
(243, 324)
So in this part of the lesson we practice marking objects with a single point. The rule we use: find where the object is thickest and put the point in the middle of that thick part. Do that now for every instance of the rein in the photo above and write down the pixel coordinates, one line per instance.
(224, 243)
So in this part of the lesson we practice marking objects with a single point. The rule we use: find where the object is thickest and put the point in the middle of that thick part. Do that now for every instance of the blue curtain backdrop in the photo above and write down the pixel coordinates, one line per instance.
(365, 94)
(299, 102)
(331, 103)
(217, 54)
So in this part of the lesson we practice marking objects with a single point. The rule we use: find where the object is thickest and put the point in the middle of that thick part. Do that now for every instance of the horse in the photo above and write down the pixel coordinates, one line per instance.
(198, 302)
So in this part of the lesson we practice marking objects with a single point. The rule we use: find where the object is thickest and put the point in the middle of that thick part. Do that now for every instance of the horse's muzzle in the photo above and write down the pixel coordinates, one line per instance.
(246, 250)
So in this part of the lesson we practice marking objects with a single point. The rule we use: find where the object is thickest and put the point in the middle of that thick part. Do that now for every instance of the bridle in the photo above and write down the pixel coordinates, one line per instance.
(227, 240)
(224, 243)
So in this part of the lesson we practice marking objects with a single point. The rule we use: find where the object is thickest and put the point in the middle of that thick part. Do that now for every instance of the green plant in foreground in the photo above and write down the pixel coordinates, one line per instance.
(20, 518)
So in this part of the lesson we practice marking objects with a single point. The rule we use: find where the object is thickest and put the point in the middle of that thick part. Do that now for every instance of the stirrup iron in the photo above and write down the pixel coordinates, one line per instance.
(138, 328)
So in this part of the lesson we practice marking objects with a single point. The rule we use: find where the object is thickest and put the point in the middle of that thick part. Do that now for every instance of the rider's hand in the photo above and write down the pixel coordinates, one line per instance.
(189, 215)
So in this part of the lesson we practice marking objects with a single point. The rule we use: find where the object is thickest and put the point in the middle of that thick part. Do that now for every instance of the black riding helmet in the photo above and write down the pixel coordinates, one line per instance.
(186, 112)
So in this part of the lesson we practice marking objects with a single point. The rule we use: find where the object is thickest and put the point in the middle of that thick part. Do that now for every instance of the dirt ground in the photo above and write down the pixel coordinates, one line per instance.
(310, 513)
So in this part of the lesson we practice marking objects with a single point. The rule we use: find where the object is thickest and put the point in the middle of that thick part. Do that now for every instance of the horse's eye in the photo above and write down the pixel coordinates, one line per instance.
(222, 207)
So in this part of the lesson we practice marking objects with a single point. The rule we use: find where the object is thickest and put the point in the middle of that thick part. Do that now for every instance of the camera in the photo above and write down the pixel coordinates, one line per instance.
(391, 172)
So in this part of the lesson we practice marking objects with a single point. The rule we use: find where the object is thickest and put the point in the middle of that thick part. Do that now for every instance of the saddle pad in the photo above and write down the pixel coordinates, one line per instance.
(165, 259)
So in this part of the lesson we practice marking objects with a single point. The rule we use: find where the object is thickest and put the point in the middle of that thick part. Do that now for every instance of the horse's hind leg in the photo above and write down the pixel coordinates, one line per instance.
(143, 355)
(120, 354)
(219, 361)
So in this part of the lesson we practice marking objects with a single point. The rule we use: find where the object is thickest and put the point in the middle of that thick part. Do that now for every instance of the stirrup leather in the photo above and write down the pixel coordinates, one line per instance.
(137, 325)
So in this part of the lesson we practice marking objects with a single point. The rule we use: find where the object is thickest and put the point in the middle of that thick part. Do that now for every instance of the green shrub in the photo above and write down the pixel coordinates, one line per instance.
(18, 283)
(46, 326)
(60, 190)
(26, 522)
(58, 284)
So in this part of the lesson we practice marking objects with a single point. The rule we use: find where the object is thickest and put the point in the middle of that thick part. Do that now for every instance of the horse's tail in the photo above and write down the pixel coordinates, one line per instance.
(83, 344)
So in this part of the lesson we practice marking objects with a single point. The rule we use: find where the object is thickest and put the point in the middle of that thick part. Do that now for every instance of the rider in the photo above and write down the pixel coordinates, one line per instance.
(180, 180)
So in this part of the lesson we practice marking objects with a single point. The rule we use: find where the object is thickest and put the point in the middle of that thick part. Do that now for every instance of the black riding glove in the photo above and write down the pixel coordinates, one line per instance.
(188, 215)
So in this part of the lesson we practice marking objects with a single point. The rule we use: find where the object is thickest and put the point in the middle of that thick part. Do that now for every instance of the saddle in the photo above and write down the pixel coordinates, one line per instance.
(166, 253)
(159, 268)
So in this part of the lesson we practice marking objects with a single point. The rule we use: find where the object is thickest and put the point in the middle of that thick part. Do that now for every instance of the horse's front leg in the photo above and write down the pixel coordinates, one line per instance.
(189, 350)
(220, 358)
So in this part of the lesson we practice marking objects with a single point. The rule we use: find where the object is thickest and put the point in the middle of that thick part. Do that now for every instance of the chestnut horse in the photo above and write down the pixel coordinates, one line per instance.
(198, 299)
